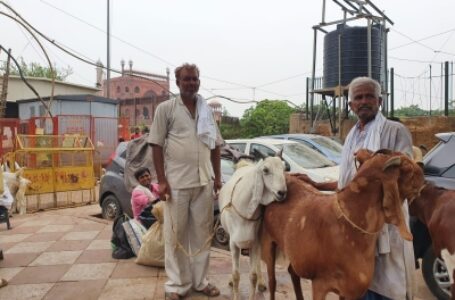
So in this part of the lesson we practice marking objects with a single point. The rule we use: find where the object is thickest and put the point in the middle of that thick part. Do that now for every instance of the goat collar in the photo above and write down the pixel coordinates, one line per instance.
(340, 213)
(231, 205)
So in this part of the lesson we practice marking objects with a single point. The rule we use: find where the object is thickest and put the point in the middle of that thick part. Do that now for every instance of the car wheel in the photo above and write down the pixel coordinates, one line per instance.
(435, 273)
(221, 236)
(110, 209)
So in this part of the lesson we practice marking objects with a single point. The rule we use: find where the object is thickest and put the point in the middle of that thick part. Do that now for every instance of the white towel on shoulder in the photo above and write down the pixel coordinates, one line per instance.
(372, 142)
(206, 127)
(373, 137)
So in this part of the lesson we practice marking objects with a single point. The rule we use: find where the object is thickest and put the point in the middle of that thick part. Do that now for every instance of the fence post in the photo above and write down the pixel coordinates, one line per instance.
(392, 91)
(446, 89)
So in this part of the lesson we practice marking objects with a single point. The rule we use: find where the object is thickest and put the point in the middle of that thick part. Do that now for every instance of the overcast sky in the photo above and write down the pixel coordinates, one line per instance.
(245, 48)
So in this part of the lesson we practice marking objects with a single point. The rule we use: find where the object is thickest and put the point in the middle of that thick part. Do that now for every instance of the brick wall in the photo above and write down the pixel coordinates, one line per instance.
(422, 129)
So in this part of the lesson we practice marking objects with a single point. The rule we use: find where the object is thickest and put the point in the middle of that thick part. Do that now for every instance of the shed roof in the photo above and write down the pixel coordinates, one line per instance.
(78, 97)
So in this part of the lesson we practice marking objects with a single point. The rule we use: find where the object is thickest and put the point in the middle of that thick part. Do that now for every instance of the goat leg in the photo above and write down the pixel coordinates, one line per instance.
(295, 283)
(268, 256)
(261, 283)
(319, 289)
(254, 266)
(235, 252)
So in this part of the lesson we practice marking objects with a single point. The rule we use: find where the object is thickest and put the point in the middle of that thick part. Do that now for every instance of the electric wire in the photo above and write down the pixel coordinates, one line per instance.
(26, 82)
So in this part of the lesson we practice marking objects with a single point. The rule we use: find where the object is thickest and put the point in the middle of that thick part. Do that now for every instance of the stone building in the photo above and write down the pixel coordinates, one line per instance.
(137, 93)
(217, 109)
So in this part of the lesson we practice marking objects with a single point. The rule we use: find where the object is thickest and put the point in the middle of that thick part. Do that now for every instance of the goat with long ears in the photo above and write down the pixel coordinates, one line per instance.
(241, 202)
(331, 239)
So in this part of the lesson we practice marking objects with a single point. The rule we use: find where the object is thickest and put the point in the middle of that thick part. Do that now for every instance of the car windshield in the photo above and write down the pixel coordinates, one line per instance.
(305, 157)
(332, 146)
(440, 158)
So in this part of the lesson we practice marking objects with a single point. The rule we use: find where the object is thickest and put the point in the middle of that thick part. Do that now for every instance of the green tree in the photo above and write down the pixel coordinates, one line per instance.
(411, 111)
(268, 117)
(36, 70)
(230, 131)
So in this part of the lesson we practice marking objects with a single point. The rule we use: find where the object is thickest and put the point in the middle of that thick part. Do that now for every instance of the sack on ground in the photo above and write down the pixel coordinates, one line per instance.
(120, 247)
(134, 232)
(146, 217)
(152, 248)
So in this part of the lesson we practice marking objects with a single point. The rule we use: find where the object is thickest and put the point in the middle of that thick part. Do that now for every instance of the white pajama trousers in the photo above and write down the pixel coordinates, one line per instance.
(188, 216)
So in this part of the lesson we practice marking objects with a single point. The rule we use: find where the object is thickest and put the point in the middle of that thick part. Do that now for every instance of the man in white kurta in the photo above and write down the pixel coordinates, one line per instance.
(186, 155)
(394, 263)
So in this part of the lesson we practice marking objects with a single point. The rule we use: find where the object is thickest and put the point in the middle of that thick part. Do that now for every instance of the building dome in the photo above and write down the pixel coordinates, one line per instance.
(214, 103)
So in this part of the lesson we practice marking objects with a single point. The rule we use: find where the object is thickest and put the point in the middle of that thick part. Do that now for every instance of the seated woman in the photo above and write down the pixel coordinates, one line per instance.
(144, 193)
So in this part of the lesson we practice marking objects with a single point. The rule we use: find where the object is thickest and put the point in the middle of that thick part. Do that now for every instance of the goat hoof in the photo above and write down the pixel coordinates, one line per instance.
(262, 288)
(231, 284)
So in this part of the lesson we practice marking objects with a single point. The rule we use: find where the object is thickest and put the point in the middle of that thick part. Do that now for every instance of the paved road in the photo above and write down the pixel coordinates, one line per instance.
(66, 254)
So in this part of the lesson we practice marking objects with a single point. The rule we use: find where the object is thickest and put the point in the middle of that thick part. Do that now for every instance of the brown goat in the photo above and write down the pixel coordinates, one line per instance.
(435, 207)
(331, 239)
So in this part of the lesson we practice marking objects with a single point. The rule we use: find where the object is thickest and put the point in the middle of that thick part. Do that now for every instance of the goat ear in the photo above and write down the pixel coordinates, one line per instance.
(258, 190)
(392, 206)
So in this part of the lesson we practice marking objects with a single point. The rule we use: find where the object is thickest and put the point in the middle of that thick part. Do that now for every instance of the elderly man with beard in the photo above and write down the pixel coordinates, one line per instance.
(394, 264)
(186, 154)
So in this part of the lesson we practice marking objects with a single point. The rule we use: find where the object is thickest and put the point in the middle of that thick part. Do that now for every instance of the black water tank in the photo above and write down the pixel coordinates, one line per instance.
(354, 54)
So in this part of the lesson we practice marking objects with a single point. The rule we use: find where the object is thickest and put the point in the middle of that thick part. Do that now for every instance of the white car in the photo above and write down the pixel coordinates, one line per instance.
(298, 157)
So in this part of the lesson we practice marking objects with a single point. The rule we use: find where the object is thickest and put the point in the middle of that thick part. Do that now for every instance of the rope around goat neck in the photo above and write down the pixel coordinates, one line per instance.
(338, 207)
(231, 205)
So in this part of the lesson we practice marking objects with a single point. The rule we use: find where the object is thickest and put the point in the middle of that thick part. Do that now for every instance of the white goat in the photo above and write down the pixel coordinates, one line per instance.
(240, 202)
(17, 186)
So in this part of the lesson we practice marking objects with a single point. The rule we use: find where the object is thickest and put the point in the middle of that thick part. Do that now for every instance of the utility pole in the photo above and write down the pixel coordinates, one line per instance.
(108, 60)
(430, 89)
(4, 87)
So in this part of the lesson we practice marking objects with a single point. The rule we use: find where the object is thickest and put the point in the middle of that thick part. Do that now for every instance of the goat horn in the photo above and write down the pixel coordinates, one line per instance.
(280, 153)
(394, 161)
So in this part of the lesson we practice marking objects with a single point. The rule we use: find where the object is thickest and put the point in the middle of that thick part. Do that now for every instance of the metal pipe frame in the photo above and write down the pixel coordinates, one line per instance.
(369, 47)
(313, 74)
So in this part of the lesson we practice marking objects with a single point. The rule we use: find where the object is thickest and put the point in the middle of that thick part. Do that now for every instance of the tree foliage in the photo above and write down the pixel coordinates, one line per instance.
(411, 111)
(36, 70)
(230, 131)
(268, 117)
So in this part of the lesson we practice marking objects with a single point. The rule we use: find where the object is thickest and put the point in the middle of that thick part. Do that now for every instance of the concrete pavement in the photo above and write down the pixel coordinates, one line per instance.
(66, 254)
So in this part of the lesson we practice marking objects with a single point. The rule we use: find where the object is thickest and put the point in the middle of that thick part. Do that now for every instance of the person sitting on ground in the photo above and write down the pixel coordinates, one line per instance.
(144, 193)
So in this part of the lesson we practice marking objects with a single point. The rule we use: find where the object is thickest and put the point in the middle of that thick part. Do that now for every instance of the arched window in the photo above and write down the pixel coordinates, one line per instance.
(127, 89)
(137, 90)
(118, 89)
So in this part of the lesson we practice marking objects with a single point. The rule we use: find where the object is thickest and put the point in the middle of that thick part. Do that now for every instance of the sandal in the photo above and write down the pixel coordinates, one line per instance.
(3, 282)
(172, 296)
(211, 291)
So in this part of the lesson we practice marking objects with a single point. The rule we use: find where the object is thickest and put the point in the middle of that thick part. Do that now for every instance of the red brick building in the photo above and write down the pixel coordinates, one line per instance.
(138, 94)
